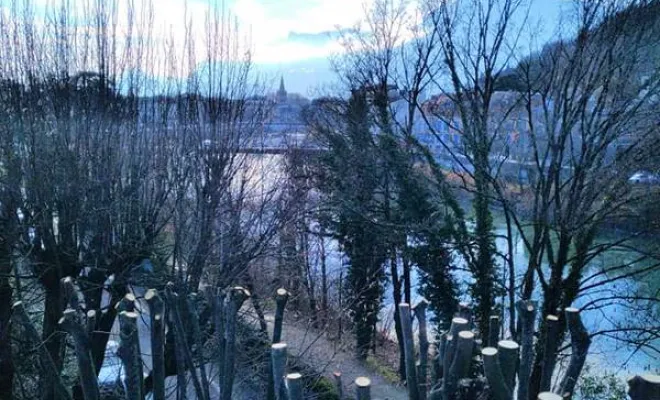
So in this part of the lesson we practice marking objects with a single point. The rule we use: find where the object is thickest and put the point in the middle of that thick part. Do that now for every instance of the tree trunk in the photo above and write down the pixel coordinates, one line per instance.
(324, 275)
(409, 350)
(407, 284)
(52, 338)
(396, 294)
(6, 360)
(484, 270)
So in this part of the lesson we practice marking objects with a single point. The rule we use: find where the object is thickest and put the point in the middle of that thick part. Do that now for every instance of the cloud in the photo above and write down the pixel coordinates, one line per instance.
(313, 38)
(290, 30)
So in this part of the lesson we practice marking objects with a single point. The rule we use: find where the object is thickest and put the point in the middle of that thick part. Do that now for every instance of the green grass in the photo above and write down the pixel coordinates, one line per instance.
(387, 372)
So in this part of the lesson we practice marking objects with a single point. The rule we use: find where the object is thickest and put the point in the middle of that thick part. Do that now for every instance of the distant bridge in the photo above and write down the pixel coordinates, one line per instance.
(282, 150)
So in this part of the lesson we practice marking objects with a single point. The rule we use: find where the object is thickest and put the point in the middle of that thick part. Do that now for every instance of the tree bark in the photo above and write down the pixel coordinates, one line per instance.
(494, 375)
(550, 338)
(363, 388)
(396, 294)
(527, 315)
(6, 359)
(580, 342)
(157, 315)
(48, 367)
(129, 352)
(422, 376)
(409, 347)
(88, 379)
(644, 387)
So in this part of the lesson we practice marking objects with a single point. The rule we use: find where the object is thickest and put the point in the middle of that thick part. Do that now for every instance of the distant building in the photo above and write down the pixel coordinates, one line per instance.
(281, 93)
(285, 113)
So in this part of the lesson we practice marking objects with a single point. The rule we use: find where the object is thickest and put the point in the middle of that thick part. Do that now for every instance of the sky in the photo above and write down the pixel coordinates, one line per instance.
(294, 38)
(289, 38)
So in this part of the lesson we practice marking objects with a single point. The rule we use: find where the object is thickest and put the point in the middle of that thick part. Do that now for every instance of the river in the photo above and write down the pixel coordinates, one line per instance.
(606, 353)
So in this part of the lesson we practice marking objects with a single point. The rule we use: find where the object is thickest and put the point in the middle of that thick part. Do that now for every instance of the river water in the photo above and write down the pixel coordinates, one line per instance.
(606, 353)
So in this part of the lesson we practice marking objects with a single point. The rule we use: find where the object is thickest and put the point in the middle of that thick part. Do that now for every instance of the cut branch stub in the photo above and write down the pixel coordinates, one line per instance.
(420, 314)
(438, 359)
(643, 387)
(527, 315)
(493, 331)
(507, 355)
(551, 336)
(91, 321)
(446, 359)
(549, 396)
(465, 312)
(157, 315)
(363, 388)
(278, 358)
(237, 296)
(281, 298)
(193, 316)
(129, 352)
(409, 351)
(294, 386)
(580, 342)
(88, 381)
(460, 365)
(69, 293)
(127, 303)
(494, 374)
(340, 388)
(458, 324)
(184, 357)
(463, 355)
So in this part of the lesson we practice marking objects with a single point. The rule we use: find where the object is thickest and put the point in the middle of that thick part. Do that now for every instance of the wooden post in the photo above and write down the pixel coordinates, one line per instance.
(498, 385)
(527, 315)
(644, 387)
(88, 380)
(294, 386)
(157, 316)
(129, 352)
(422, 376)
(409, 351)
(580, 342)
(363, 388)
(278, 358)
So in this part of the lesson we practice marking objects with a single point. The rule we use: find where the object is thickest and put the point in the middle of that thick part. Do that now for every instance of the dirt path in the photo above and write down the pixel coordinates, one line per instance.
(327, 356)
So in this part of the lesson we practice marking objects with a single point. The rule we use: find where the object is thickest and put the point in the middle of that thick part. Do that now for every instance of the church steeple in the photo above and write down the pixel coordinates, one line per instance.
(281, 93)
